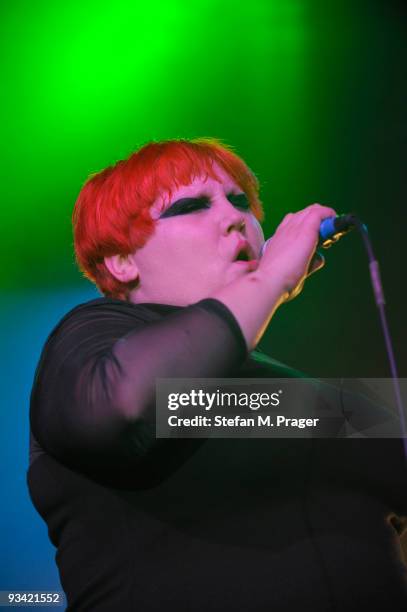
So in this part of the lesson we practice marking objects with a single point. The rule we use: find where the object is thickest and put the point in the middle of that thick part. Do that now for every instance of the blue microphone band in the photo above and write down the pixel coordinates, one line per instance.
(327, 228)
(332, 228)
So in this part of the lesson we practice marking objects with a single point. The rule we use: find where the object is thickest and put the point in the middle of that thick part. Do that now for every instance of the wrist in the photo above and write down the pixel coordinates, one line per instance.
(270, 285)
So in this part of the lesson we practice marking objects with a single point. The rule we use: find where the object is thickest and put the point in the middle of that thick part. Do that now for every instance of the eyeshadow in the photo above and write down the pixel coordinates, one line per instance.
(185, 205)
(240, 200)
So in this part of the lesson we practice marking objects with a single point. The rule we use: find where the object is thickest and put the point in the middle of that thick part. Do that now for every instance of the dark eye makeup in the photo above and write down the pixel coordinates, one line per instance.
(188, 205)
(240, 200)
(185, 206)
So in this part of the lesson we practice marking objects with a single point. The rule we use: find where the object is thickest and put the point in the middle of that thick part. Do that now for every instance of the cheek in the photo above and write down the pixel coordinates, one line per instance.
(176, 248)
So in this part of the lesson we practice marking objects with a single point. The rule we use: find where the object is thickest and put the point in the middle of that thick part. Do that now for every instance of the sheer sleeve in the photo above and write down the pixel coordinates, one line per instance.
(93, 396)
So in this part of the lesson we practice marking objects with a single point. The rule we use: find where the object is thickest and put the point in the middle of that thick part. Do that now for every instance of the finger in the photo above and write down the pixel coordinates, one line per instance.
(295, 292)
(322, 209)
(317, 262)
(286, 219)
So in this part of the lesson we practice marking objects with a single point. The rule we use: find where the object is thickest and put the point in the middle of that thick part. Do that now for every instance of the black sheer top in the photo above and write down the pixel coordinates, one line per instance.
(146, 524)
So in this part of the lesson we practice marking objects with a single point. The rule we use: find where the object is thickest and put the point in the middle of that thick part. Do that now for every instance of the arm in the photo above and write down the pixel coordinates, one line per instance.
(93, 398)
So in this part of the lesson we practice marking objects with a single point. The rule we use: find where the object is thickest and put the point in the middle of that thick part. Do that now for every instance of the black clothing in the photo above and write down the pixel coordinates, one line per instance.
(221, 524)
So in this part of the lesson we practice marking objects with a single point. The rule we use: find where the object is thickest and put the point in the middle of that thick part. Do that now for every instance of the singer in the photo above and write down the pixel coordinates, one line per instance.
(172, 239)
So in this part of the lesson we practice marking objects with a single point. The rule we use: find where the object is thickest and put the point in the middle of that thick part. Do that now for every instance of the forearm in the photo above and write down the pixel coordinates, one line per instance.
(252, 299)
(94, 395)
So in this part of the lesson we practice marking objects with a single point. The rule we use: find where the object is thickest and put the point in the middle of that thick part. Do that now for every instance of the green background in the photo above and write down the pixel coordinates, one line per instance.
(312, 94)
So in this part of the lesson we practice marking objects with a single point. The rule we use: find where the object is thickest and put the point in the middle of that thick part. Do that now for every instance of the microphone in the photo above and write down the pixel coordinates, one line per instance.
(332, 228)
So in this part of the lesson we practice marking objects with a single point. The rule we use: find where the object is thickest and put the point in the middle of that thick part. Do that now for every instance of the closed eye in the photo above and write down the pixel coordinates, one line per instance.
(240, 200)
(185, 206)
(190, 205)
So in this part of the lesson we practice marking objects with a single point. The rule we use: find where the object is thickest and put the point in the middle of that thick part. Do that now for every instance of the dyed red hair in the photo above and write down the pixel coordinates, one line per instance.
(112, 213)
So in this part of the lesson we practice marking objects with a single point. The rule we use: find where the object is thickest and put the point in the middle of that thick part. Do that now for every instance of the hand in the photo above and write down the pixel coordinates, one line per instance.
(289, 256)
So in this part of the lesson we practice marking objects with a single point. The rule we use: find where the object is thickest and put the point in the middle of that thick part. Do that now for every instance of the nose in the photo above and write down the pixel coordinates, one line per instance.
(231, 218)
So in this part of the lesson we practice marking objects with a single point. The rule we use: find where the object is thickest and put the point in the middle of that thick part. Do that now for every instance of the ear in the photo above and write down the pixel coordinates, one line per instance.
(122, 267)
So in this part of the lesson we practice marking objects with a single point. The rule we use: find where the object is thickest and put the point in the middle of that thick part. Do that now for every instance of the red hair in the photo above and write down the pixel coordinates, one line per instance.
(112, 213)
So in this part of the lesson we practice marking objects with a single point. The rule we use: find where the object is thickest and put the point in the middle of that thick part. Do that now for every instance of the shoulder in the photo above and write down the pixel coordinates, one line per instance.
(91, 328)
(110, 309)
(104, 314)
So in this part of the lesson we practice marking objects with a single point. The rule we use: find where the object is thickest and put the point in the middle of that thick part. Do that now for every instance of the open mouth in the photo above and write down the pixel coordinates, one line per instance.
(244, 252)
(243, 255)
